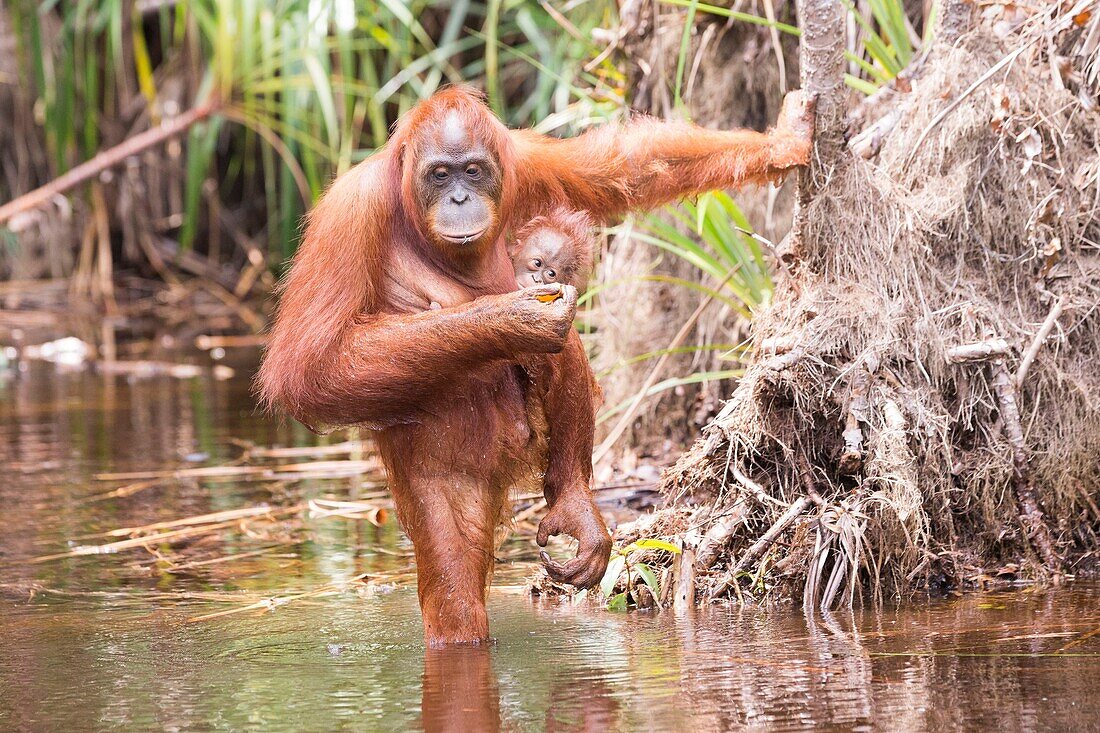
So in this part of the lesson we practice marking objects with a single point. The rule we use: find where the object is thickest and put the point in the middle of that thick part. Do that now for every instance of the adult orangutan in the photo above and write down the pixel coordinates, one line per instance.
(492, 388)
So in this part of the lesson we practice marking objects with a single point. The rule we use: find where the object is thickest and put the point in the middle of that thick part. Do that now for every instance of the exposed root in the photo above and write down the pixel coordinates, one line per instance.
(925, 399)
(1030, 515)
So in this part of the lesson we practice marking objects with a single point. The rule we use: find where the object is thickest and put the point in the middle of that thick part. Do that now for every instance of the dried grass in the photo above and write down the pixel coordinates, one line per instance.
(731, 81)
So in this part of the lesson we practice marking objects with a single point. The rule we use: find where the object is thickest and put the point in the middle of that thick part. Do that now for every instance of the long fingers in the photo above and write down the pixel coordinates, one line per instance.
(583, 571)
(547, 529)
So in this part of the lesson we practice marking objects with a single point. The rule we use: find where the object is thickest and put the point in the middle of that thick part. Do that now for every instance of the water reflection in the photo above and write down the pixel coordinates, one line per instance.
(353, 664)
(459, 691)
(104, 642)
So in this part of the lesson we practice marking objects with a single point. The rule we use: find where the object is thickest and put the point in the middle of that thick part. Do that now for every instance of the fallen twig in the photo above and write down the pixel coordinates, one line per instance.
(684, 597)
(270, 604)
(719, 533)
(373, 513)
(761, 545)
(1037, 342)
(314, 469)
(107, 159)
(978, 351)
(174, 535)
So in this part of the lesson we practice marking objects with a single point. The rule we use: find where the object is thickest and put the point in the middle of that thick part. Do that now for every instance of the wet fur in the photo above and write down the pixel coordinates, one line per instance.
(452, 394)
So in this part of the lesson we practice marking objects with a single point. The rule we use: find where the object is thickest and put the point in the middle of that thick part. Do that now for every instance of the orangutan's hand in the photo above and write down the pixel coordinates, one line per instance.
(577, 517)
(792, 138)
(796, 118)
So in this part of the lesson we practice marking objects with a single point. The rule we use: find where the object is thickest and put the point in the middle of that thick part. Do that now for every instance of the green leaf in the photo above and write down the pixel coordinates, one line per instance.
(651, 544)
(860, 85)
(685, 47)
(617, 603)
(701, 212)
(649, 578)
(612, 575)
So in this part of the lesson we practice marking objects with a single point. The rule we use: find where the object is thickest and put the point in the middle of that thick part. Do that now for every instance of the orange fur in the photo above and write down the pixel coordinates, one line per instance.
(468, 398)
(576, 228)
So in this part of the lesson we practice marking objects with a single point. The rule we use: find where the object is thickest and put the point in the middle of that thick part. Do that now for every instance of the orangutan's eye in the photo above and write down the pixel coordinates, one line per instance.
(440, 174)
(473, 171)
(536, 262)
(549, 275)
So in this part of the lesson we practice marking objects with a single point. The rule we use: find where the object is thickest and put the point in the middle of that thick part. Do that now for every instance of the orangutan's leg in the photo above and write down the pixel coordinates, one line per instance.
(451, 520)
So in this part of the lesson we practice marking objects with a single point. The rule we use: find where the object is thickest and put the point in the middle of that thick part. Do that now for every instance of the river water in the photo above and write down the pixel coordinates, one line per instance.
(110, 642)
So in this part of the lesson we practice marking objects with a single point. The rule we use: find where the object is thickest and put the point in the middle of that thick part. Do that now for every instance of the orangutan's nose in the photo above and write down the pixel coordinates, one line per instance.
(460, 196)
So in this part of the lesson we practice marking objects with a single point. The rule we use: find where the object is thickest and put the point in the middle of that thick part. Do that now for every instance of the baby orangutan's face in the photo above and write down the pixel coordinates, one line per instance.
(544, 258)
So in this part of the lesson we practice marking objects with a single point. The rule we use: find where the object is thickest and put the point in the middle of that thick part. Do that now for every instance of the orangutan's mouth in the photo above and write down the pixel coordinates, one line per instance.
(463, 238)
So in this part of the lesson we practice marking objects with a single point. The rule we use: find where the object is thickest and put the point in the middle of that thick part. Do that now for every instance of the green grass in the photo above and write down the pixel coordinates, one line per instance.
(311, 86)
(721, 245)
(886, 42)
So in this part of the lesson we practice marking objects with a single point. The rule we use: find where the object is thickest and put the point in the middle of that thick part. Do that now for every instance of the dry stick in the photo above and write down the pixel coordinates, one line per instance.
(268, 604)
(813, 572)
(757, 491)
(318, 469)
(800, 505)
(1031, 517)
(127, 490)
(174, 568)
(978, 351)
(113, 547)
(684, 597)
(777, 47)
(651, 379)
(1037, 342)
(207, 342)
(718, 535)
(250, 317)
(107, 159)
(227, 515)
(1080, 639)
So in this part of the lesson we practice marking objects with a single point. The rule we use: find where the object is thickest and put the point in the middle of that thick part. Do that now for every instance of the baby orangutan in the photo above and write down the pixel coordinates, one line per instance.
(554, 248)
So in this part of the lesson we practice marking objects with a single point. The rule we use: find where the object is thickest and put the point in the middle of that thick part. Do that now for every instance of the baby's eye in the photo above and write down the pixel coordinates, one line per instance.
(549, 275)
(536, 262)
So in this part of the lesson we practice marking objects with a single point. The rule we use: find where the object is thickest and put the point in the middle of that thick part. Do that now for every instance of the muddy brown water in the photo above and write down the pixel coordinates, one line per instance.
(104, 643)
